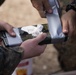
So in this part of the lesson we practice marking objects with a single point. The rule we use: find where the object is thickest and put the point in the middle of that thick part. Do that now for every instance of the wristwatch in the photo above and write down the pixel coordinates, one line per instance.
(71, 6)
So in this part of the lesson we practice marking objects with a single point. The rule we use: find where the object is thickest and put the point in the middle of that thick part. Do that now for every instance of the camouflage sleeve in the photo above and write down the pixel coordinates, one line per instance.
(9, 59)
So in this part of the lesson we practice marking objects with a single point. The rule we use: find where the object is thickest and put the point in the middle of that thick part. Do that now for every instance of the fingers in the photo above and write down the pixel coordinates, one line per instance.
(39, 38)
(41, 11)
(47, 6)
(42, 6)
(39, 6)
(8, 28)
(68, 27)
(65, 26)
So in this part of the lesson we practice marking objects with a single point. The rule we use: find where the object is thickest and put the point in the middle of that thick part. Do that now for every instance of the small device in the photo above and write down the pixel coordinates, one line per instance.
(54, 23)
(53, 30)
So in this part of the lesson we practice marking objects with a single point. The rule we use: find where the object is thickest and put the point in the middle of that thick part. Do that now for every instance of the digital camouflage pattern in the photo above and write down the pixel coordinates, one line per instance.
(67, 52)
(9, 59)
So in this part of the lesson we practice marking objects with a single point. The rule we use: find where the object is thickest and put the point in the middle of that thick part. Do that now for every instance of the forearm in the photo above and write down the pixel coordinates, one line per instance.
(9, 59)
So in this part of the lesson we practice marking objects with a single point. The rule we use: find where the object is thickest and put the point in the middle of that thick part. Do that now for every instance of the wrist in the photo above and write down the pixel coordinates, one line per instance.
(21, 49)
(24, 56)
(18, 50)
(72, 11)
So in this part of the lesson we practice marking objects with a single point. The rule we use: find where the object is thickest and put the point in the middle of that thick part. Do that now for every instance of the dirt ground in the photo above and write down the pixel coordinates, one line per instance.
(21, 13)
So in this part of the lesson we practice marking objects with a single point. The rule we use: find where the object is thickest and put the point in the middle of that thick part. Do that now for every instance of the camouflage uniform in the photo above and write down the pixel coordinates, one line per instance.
(9, 59)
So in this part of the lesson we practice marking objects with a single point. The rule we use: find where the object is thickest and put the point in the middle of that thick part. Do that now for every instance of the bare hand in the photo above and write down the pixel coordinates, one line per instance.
(31, 47)
(42, 6)
(7, 27)
(69, 22)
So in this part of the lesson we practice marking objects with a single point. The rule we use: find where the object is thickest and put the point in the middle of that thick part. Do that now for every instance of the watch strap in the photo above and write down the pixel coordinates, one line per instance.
(71, 6)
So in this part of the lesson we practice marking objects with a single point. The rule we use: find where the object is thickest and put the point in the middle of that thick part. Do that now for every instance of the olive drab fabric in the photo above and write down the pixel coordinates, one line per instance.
(9, 59)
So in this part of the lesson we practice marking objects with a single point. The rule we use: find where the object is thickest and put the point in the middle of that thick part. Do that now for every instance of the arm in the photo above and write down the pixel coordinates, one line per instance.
(43, 6)
(10, 57)
(68, 21)
(32, 48)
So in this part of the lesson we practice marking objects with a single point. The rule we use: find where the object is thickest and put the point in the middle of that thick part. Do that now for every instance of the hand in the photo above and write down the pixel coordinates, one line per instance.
(42, 5)
(7, 27)
(69, 22)
(31, 47)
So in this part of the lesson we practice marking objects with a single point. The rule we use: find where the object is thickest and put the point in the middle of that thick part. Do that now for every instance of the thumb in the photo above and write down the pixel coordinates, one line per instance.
(65, 26)
(39, 6)
(9, 29)
(40, 38)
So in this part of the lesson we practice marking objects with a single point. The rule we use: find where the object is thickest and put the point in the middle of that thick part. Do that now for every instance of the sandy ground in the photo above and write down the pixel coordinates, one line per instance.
(21, 13)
